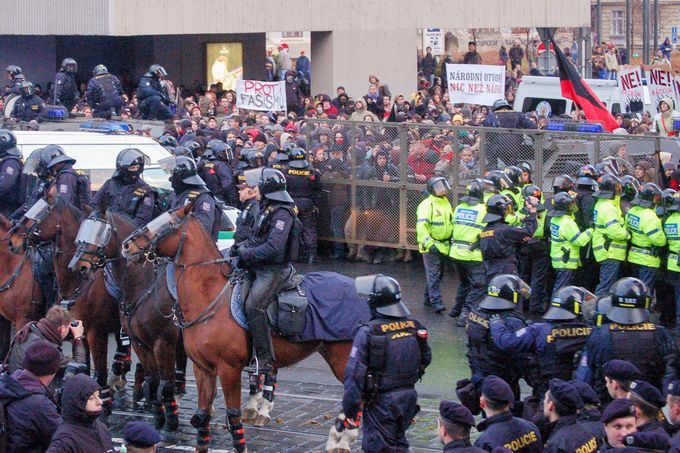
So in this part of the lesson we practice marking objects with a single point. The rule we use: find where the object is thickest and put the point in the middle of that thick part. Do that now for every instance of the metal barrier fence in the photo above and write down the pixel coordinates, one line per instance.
(372, 201)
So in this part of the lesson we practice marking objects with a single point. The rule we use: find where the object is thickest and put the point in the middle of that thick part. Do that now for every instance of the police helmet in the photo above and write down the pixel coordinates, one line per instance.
(630, 301)
(497, 207)
(515, 174)
(608, 187)
(602, 307)
(222, 151)
(667, 196)
(288, 146)
(563, 183)
(568, 303)
(501, 104)
(475, 191)
(504, 292)
(167, 141)
(186, 171)
(649, 196)
(525, 167)
(281, 158)
(195, 147)
(127, 158)
(297, 158)
(532, 190)
(254, 157)
(183, 151)
(26, 88)
(52, 155)
(209, 153)
(384, 295)
(587, 176)
(674, 204)
(157, 71)
(272, 186)
(8, 144)
(69, 65)
(13, 70)
(562, 203)
(499, 179)
(630, 187)
(605, 168)
(100, 69)
(438, 186)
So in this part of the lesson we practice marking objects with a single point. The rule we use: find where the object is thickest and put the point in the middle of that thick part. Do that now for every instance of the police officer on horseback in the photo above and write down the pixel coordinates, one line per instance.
(268, 253)
(389, 355)
(11, 167)
(104, 93)
(126, 192)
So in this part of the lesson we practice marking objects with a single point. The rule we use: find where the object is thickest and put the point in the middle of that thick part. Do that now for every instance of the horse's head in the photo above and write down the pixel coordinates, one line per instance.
(38, 224)
(94, 244)
(160, 237)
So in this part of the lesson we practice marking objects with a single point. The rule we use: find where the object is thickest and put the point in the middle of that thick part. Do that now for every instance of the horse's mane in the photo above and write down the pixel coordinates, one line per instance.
(205, 235)
(5, 224)
(61, 204)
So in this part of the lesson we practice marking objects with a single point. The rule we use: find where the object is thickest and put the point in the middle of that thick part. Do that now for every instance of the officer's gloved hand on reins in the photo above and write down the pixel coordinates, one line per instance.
(495, 319)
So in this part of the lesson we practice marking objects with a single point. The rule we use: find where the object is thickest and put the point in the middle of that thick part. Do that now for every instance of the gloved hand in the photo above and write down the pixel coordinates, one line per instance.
(433, 250)
(233, 251)
(495, 319)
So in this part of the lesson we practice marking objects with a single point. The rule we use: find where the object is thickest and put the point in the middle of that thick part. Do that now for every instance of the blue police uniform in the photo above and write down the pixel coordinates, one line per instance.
(586, 275)
(499, 241)
(135, 200)
(303, 185)
(65, 90)
(204, 209)
(220, 180)
(69, 189)
(152, 99)
(504, 430)
(590, 419)
(569, 436)
(675, 443)
(245, 222)
(28, 108)
(461, 446)
(103, 94)
(15, 84)
(389, 411)
(10, 178)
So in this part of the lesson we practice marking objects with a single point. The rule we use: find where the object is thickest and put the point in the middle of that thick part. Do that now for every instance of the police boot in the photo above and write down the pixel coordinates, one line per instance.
(264, 350)
(457, 309)
(462, 319)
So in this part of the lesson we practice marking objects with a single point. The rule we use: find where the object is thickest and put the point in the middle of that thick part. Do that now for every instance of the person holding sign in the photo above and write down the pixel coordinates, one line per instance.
(663, 121)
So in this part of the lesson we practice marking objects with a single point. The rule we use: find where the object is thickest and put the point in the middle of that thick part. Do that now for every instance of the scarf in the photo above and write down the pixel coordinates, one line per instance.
(46, 328)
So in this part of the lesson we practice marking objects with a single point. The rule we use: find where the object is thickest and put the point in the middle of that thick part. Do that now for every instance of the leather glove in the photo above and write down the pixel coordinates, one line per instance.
(495, 319)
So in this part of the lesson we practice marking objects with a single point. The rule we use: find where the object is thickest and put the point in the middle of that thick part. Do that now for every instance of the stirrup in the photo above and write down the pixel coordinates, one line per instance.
(255, 368)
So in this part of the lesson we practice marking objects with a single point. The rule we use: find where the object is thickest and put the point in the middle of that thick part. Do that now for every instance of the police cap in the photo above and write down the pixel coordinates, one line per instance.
(456, 413)
(648, 393)
(619, 408)
(674, 388)
(140, 434)
(586, 392)
(495, 388)
(565, 395)
(621, 370)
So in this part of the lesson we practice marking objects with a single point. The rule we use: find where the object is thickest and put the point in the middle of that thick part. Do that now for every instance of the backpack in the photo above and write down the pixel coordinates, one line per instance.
(4, 428)
(83, 188)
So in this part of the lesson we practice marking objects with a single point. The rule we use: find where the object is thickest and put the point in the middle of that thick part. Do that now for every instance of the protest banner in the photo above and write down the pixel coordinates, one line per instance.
(630, 85)
(434, 38)
(660, 83)
(475, 83)
(256, 95)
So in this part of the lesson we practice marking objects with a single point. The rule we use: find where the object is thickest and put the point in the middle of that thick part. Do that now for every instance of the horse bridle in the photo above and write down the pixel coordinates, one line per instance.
(96, 258)
(154, 238)
(32, 232)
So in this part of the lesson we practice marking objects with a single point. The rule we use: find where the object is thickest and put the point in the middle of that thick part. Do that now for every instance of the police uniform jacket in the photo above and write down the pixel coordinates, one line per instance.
(461, 446)
(10, 177)
(504, 430)
(586, 205)
(66, 184)
(135, 200)
(204, 208)
(246, 220)
(103, 88)
(302, 186)
(590, 419)
(65, 89)
(498, 242)
(28, 108)
(219, 179)
(656, 427)
(675, 443)
(569, 436)
(269, 243)
(149, 87)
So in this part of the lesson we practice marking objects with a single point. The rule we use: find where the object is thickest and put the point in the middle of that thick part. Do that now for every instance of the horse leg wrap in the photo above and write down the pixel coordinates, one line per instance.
(166, 394)
(150, 395)
(180, 381)
(269, 387)
(201, 421)
(122, 361)
(238, 436)
(105, 396)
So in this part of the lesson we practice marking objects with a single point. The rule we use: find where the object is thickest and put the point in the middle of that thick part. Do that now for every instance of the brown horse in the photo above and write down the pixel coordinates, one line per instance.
(87, 299)
(20, 297)
(216, 344)
(146, 308)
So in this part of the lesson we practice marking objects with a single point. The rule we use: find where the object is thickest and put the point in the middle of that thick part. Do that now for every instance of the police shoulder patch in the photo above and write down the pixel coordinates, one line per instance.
(63, 188)
(279, 225)
(205, 206)
(9, 170)
(521, 332)
(148, 201)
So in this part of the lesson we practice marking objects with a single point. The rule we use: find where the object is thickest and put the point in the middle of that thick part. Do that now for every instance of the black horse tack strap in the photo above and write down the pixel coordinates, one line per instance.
(206, 315)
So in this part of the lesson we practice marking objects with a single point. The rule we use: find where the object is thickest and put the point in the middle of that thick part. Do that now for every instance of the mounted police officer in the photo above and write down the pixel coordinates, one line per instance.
(216, 171)
(268, 253)
(631, 337)
(69, 185)
(152, 96)
(126, 192)
(104, 93)
(16, 77)
(250, 207)
(11, 167)
(389, 355)
(304, 183)
(190, 188)
(29, 106)
(65, 88)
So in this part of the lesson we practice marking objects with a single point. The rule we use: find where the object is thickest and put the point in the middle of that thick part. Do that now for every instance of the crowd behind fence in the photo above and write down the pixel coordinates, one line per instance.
(371, 196)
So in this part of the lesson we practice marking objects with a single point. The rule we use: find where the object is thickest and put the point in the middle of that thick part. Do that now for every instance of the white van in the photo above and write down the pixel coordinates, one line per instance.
(545, 95)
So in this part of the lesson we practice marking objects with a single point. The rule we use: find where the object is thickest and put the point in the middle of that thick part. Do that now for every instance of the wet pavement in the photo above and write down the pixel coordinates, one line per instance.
(308, 395)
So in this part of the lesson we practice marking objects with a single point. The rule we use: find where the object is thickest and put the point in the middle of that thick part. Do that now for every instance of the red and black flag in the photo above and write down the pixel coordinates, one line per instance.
(574, 88)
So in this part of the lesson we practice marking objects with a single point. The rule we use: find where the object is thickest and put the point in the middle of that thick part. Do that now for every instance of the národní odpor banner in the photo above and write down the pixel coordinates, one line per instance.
(475, 83)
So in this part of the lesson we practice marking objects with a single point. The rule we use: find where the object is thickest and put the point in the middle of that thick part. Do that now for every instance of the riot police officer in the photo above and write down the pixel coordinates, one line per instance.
(69, 185)
(216, 171)
(104, 93)
(11, 167)
(534, 259)
(434, 227)
(65, 88)
(504, 293)
(515, 190)
(29, 106)
(152, 96)
(168, 142)
(378, 375)
(190, 188)
(498, 241)
(250, 207)
(126, 192)
(504, 117)
(268, 253)
(304, 184)
(16, 77)
(630, 337)
(586, 183)
(561, 405)
(671, 228)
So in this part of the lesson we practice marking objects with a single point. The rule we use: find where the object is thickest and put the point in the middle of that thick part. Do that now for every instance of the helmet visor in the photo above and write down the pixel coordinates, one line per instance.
(505, 182)
(524, 290)
(32, 162)
(253, 176)
(168, 164)
(365, 285)
(441, 188)
(158, 224)
(94, 232)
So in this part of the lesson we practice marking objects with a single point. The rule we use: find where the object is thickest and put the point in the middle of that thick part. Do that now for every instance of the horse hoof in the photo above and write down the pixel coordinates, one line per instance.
(262, 420)
(249, 415)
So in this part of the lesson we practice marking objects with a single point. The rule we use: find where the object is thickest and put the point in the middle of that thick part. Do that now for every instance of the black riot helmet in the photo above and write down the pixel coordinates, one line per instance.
(515, 175)
(157, 71)
(608, 187)
(667, 196)
(100, 69)
(562, 203)
(563, 183)
(497, 207)
(504, 292)
(568, 303)
(476, 190)
(630, 187)
(52, 155)
(167, 141)
(630, 302)
(297, 158)
(27, 88)
(649, 196)
(69, 65)
(438, 186)
(673, 203)
(384, 295)
(254, 157)
(223, 152)
(195, 147)
(532, 190)
(183, 151)
(525, 167)
(273, 186)
(587, 176)
(500, 180)
(501, 104)
(184, 169)
(8, 144)
(126, 161)
(209, 154)
(13, 70)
